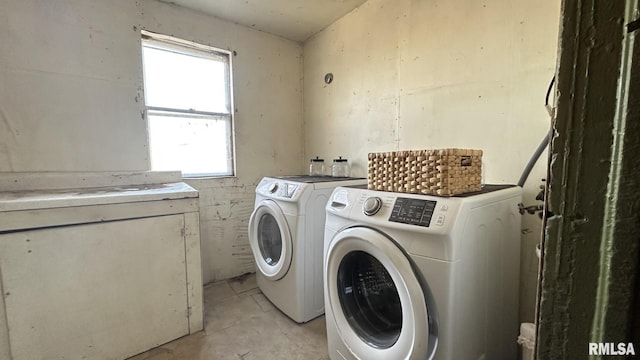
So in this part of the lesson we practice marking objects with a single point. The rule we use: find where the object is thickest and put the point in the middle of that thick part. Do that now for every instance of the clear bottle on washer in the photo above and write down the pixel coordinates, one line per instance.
(316, 167)
(340, 168)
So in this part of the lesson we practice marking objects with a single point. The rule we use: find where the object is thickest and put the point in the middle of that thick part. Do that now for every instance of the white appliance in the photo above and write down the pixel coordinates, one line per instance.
(422, 277)
(286, 232)
(97, 265)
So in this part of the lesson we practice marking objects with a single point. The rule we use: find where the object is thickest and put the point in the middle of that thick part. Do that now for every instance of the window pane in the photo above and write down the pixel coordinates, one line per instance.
(181, 81)
(196, 146)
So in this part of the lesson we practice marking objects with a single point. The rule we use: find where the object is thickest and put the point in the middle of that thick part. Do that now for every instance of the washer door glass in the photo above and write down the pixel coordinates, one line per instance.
(369, 299)
(269, 239)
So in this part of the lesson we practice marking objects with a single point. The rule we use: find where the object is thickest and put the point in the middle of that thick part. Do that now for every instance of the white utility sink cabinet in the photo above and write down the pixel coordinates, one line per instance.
(97, 265)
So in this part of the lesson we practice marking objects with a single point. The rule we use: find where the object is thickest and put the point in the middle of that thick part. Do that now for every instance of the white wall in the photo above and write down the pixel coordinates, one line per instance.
(414, 74)
(408, 74)
(71, 99)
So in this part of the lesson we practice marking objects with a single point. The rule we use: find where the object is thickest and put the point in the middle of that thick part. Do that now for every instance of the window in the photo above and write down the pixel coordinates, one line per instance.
(187, 89)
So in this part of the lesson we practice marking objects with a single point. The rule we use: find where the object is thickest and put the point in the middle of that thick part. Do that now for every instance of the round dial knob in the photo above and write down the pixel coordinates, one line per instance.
(372, 205)
(273, 187)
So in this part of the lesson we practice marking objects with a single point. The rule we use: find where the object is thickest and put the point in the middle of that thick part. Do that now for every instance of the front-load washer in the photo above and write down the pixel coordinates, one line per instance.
(286, 232)
(422, 277)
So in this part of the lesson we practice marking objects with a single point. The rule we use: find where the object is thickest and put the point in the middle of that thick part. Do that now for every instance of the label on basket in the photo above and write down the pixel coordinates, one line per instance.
(465, 160)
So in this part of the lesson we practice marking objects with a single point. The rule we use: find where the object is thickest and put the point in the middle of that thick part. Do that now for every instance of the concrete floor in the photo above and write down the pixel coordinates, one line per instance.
(240, 323)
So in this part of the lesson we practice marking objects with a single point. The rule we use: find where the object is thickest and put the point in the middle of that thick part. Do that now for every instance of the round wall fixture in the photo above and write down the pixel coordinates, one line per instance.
(328, 78)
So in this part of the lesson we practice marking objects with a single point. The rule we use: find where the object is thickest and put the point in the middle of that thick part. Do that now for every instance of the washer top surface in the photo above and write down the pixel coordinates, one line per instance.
(315, 179)
(293, 188)
(485, 189)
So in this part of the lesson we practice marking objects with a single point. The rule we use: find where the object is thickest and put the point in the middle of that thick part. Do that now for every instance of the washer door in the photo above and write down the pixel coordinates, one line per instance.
(270, 240)
(378, 304)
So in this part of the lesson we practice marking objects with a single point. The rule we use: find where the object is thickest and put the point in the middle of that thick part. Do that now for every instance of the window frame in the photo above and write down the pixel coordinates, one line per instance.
(189, 48)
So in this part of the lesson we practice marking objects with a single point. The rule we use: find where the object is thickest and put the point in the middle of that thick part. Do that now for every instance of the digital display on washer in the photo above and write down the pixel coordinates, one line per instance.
(412, 211)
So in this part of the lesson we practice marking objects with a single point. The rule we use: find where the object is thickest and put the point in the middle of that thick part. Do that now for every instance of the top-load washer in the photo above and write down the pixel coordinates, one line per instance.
(422, 277)
(286, 235)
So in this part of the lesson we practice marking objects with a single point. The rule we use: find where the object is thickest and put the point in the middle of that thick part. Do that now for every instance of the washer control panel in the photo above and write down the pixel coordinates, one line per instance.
(274, 189)
(426, 213)
(413, 211)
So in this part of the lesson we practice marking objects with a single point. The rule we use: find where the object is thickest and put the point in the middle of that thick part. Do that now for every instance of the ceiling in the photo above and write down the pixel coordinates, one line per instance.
(296, 20)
